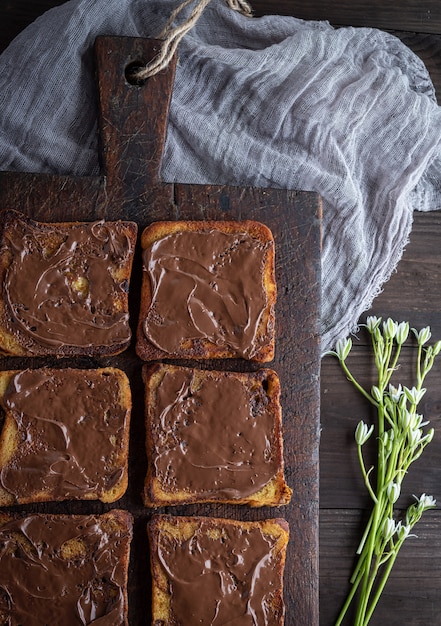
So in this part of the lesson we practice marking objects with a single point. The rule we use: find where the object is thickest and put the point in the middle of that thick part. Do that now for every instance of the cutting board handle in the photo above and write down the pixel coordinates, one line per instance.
(132, 117)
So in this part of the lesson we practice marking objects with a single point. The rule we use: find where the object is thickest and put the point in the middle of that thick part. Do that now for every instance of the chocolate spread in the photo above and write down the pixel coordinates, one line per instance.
(215, 438)
(60, 287)
(40, 583)
(71, 431)
(206, 286)
(222, 577)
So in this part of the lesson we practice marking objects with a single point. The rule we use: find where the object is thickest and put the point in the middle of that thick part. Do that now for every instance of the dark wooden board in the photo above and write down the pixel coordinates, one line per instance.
(421, 16)
(342, 408)
(412, 594)
(15, 16)
(132, 130)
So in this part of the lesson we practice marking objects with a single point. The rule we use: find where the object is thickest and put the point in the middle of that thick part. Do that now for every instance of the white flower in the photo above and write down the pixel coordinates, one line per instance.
(425, 502)
(428, 436)
(395, 392)
(414, 395)
(416, 510)
(405, 419)
(388, 440)
(402, 332)
(343, 347)
(414, 437)
(436, 348)
(389, 528)
(417, 421)
(363, 432)
(423, 335)
(393, 492)
(403, 531)
(372, 323)
(376, 393)
(390, 328)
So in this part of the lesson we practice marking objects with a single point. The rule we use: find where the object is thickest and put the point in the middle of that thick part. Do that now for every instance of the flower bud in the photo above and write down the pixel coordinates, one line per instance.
(417, 421)
(372, 323)
(423, 335)
(380, 341)
(343, 347)
(376, 393)
(393, 492)
(414, 437)
(423, 503)
(402, 332)
(388, 441)
(414, 395)
(388, 528)
(402, 530)
(428, 436)
(395, 392)
(426, 502)
(405, 419)
(390, 328)
(437, 348)
(402, 402)
(363, 432)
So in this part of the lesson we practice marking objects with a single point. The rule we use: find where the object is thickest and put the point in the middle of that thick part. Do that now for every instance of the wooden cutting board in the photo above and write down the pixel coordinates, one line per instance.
(133, 123)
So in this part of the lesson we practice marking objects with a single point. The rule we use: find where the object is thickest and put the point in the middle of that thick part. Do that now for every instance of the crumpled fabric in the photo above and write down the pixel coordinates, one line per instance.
(271, 102)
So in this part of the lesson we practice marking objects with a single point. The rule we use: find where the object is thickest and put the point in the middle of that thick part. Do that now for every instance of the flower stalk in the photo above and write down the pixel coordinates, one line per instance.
(400, 441)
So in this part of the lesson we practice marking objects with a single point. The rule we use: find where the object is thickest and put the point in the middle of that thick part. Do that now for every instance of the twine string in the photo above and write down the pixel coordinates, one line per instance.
(171, 36)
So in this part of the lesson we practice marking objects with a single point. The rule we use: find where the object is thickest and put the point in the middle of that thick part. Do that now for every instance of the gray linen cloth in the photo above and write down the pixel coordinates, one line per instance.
(271, 102)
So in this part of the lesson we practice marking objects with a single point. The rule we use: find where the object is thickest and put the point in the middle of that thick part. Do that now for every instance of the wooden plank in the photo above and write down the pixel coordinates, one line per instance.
(410, 15)
(342, 407)
(411, 595)
(413, 293)
(298, 298)
(19, 14)
(428, 48)
(133, 125)
(38, 194)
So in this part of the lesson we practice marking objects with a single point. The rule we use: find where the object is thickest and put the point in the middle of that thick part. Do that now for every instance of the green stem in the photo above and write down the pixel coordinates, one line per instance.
(392, 368)
(381, 585)
(349, 599)
(363, 540)
(357, 384)
(419, 377)
(364, 601)
(367, 565)
(375, 561)
(366, 474)
(380, 455)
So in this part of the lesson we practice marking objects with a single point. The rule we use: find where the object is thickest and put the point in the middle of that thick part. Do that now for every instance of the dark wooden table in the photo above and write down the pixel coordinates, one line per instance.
(412, 596)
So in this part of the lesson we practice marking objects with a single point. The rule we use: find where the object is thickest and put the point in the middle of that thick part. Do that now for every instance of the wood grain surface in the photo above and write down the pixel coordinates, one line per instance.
(412, 596)
(420, 16)
(133, 121)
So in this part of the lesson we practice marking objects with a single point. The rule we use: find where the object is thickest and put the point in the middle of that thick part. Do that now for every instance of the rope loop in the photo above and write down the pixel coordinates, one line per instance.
(171, 36)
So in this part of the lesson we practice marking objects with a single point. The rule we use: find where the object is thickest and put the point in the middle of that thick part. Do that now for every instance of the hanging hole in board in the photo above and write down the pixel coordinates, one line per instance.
(131, 73)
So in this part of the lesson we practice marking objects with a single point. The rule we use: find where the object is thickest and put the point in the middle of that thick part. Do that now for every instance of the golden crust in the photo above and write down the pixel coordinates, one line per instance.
(12, 344)
(10, 438)
(275, 493)
(204, 349)
(181, 529)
